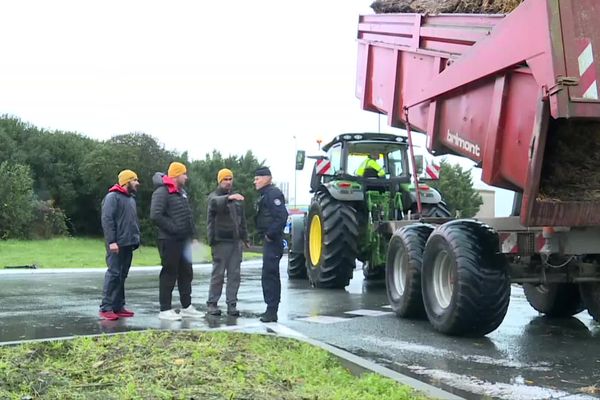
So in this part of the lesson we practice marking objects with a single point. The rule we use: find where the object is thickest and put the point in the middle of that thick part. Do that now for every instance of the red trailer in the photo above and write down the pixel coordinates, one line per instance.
(518, 95)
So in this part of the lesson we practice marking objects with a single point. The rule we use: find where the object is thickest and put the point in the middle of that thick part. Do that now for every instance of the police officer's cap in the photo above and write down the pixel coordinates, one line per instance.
(263, 171)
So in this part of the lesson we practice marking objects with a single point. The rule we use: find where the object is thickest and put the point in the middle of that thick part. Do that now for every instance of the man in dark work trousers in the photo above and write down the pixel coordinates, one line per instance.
(271, 218)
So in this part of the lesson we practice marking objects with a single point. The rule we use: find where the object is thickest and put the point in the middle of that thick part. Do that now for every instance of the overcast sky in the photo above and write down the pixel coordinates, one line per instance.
(269, 76)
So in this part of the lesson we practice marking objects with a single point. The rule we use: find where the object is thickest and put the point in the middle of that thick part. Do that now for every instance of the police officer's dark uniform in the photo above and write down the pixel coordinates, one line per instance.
(271, 218)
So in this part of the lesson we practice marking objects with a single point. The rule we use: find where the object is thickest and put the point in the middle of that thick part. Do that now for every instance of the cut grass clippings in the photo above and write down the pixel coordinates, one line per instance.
(79, 253)
(184, 365)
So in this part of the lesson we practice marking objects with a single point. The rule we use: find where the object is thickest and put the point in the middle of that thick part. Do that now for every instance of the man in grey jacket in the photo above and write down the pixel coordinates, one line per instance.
(122, 235)
(170, 211)
(226, 224)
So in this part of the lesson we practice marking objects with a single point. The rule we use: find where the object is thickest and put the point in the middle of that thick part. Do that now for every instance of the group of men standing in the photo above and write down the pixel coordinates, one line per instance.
(171, 213)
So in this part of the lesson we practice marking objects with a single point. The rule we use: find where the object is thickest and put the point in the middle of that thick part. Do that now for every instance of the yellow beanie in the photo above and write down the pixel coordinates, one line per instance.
(224, 173)
(126, 176)
(176, 169)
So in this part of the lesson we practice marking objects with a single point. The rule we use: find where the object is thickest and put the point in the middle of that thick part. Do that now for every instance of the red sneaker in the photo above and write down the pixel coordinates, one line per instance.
(108, 315)
(124, 313)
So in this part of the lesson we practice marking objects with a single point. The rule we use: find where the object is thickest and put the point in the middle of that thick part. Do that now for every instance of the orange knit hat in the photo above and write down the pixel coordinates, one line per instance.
(224, 173)
(176, 169)
(126, 176)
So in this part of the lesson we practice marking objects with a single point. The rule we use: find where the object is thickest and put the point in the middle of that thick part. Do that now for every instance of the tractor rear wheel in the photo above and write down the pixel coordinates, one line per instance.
(296, 266)
(331, 244)
(403, 270)
(590, 294)
(465, 284)
(554, 299)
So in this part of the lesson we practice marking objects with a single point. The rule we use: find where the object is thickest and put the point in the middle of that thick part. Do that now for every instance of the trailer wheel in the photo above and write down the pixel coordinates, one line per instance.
(439, 210)
(464, 279)
(403, 270)
(555, 300)
(590, 294)
(331, 244)
(296, 266)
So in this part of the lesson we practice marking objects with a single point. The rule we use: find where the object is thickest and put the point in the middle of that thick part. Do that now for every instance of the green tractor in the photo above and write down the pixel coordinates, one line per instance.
(363, 182)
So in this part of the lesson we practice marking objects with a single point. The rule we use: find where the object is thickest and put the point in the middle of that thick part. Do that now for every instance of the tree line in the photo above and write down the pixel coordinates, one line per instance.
(53, 182)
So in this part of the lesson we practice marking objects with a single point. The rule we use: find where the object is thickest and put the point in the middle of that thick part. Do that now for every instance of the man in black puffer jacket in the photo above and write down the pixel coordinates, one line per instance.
(122, 236)
(226, 224)
(170, 211)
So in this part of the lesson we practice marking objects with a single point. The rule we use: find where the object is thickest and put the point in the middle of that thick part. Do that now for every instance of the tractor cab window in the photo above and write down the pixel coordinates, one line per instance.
(391, 157)
(397, 162)
(335, 157)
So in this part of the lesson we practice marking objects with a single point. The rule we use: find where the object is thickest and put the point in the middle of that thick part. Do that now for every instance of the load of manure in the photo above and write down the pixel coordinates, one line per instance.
(571, 166)
(445, 6)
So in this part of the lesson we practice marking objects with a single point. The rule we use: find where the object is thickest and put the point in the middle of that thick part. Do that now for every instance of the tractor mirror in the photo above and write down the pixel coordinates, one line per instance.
(300, 158)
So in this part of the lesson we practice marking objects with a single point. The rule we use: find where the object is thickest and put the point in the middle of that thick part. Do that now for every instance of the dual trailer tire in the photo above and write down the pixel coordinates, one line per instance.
(464, 281)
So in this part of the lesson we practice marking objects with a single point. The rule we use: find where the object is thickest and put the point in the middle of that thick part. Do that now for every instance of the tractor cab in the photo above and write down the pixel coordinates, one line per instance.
(375, 160)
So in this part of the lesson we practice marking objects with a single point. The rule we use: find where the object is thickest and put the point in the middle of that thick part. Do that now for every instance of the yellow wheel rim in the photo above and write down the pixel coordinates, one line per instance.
(315, 243)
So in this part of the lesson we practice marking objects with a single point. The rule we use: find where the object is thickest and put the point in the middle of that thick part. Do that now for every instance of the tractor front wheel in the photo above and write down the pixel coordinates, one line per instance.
(331, 244)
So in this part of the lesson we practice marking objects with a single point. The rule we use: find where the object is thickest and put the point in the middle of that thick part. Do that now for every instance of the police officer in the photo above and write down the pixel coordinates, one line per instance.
(271, 218)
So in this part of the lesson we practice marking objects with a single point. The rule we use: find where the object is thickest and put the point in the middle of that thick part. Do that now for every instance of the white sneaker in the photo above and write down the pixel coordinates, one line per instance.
(191, 312)
(170, 315)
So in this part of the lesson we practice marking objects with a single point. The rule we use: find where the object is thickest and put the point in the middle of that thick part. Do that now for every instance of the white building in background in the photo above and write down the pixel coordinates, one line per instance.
(285, 189)
(488, 208)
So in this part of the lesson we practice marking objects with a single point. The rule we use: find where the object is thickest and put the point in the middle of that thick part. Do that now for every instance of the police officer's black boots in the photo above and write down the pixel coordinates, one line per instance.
(232, 311)
(269, 316)
(212, 309)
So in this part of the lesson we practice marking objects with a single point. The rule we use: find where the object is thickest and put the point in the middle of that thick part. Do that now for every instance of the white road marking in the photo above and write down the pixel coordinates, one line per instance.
(446, 354)
(323, 319)
(509, 391)
(368, 313)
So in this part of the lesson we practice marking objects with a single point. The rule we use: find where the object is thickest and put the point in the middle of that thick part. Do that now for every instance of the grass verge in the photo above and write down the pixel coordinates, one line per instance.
(80, 253)
(184, 365)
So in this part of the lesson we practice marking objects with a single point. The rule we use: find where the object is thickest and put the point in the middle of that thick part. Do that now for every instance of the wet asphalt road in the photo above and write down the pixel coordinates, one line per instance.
(528, 357)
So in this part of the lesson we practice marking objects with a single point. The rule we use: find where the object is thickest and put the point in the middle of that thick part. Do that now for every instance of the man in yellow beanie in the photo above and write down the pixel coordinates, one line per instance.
(122, 234)
(171, 212)
(226, 225)
(176, 170)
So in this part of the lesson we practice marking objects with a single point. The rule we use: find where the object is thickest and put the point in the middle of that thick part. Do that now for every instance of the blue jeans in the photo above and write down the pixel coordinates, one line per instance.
(113, 292)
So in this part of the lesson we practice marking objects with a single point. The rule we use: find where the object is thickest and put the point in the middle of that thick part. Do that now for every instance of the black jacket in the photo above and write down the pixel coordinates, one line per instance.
(271, 215)
(119, 218)
(226, 219)
(170, 210)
